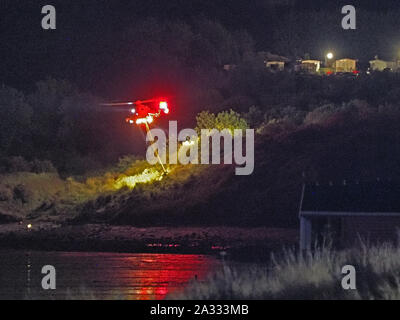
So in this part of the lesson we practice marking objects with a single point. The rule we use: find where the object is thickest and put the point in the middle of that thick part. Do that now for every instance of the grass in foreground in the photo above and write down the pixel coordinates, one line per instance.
(310, 277)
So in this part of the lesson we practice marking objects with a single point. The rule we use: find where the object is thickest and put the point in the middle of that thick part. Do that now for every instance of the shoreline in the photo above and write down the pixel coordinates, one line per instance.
(239, 243)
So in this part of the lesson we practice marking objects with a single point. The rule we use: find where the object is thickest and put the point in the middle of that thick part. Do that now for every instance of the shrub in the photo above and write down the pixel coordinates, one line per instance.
(19, 164)
(205, 120)
(230, 120)
(6, 193)
(126, 162)
(16, 164)
(22, 193)
(254, 116)
(321, 114)
(15, 120)
(76, 164)
(40, 166)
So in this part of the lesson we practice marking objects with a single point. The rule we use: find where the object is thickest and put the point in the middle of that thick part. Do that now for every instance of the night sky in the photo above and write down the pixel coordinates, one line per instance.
(81, 49)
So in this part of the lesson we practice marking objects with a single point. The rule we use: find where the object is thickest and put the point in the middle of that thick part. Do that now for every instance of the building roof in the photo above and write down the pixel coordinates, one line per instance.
(268, 56)
(363, 198)
(275, 61)
(346, 59)
(311, 61)
(377, 60)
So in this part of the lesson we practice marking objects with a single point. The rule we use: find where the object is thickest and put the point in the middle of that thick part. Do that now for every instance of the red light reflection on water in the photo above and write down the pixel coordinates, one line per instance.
(170, 274)
(135, 276)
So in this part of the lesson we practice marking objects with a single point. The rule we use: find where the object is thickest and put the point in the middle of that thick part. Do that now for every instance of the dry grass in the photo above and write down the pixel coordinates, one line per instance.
(313, 276)
(46, 196)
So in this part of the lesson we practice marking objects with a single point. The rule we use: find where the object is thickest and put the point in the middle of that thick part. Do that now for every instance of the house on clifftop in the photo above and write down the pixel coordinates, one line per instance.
(274, 62)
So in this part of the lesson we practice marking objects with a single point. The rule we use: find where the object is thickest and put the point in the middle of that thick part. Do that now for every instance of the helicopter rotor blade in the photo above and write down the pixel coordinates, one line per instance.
(111, 104)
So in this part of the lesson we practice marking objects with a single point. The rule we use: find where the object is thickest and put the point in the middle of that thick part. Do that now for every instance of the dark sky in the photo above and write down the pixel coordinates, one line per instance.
(28, 53)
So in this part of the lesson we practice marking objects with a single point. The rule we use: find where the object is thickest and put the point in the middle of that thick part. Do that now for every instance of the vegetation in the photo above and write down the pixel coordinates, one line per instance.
(108, 196)
(332, 142)
(63, 158)
(58, 122)
(313, 276)
(229, 120)
(57, 138)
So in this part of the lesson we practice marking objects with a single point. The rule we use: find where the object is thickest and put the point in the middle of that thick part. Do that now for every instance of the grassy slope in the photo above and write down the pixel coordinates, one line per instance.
(99, 198)
(212, 195)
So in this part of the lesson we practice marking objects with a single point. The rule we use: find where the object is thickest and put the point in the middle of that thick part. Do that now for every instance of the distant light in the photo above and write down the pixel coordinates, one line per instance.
(130, 103)
(130, 121)
(29, 226)
(329, 55)
(133, 110)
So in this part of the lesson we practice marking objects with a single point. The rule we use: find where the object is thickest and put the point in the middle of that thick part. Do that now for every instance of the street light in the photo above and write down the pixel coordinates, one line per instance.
(328, 60)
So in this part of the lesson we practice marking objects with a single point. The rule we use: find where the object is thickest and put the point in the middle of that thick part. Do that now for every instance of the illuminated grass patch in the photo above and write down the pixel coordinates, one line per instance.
(148, 175)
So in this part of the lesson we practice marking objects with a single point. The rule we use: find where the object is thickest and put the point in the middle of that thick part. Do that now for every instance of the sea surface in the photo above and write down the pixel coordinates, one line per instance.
(94, 275)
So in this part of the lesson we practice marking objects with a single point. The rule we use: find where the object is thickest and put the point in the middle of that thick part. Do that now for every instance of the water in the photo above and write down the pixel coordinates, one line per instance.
(87, 275)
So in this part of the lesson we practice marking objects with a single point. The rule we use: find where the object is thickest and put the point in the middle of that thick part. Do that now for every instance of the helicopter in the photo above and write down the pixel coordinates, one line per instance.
(143, 111)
